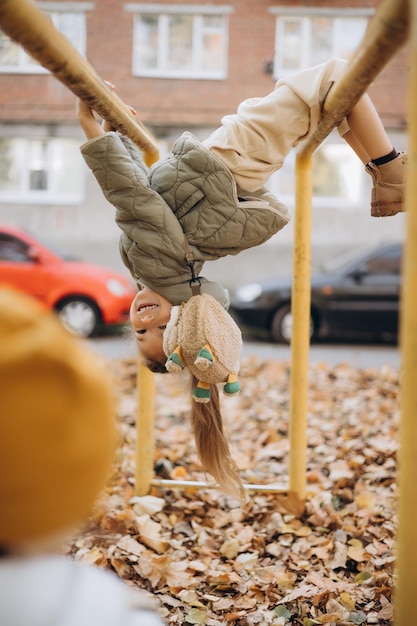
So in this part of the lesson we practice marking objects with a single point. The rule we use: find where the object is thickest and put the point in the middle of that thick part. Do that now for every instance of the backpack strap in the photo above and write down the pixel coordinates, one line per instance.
(195, 282)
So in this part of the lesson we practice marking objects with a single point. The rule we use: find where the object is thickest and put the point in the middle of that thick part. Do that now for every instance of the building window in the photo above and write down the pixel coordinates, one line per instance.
(40, 170)
(306, 38)
(338, 177)
(180, 41)
(14, 59)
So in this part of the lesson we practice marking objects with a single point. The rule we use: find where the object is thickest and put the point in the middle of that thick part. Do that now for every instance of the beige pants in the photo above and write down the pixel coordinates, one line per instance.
(254, 142)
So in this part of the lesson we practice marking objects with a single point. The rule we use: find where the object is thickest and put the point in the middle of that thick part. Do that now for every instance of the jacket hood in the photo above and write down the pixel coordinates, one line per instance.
(181, 292)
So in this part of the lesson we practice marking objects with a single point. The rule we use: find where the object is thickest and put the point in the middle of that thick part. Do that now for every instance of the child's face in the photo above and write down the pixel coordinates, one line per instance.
(149, 314)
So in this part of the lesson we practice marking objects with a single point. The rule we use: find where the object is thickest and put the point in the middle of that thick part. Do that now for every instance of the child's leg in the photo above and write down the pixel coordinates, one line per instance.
(367, 136)
(368, 139)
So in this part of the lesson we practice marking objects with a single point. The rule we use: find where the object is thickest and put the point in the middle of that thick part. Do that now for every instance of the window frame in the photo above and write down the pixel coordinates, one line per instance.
(304, 16)
(27, 65)
(163, 12)
(53, 194)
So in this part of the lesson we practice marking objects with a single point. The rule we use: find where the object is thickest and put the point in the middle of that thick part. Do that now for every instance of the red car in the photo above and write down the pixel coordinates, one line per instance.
(85, 296)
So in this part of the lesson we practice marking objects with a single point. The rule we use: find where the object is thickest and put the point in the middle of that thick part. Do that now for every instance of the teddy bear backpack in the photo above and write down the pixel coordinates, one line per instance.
(202, 337)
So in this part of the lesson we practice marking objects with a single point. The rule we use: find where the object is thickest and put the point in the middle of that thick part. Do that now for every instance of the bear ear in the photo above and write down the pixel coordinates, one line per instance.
(175, 363)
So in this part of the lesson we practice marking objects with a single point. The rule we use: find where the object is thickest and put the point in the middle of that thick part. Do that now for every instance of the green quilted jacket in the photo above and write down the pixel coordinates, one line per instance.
(189, 192)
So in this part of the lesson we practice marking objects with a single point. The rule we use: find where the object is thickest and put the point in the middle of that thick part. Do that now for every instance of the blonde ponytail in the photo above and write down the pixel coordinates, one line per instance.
(211, 443)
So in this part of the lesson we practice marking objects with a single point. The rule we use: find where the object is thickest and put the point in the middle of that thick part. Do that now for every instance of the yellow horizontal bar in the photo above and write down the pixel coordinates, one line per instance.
(197, 484)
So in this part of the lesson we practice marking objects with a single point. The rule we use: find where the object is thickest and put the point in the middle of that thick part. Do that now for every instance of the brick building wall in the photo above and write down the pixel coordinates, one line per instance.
(164, 102)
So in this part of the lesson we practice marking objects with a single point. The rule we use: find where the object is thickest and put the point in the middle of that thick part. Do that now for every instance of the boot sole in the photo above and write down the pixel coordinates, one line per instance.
(386, 210)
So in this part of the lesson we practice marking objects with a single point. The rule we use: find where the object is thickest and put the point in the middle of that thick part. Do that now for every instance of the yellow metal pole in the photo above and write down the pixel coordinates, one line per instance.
(23, 22)
(405, 592)
(145, 390)
(144, 429)
(300, 337)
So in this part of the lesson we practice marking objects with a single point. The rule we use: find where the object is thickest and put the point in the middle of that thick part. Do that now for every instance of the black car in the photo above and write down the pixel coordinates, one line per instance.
(355, 297)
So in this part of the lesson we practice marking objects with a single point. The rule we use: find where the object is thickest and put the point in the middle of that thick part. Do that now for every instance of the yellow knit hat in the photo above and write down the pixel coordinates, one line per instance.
(57, 431)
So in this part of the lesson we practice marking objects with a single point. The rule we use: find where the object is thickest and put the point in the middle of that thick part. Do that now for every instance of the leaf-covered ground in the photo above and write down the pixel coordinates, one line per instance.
(207, 560)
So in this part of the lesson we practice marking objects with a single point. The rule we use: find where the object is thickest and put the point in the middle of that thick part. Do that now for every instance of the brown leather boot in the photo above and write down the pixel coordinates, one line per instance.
(388, 193)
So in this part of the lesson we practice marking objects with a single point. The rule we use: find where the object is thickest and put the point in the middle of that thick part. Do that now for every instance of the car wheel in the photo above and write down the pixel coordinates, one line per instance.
(281, 327)
(79, 316)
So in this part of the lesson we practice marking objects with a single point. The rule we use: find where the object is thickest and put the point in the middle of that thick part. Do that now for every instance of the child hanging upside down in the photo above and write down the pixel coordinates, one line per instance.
(206, 200)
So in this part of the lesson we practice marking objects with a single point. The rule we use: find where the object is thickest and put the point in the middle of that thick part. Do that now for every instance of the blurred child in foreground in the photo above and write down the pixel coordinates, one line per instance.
(57, 444)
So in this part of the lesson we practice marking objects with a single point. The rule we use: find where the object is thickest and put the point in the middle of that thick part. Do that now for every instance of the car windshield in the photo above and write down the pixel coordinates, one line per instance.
(341, 260)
